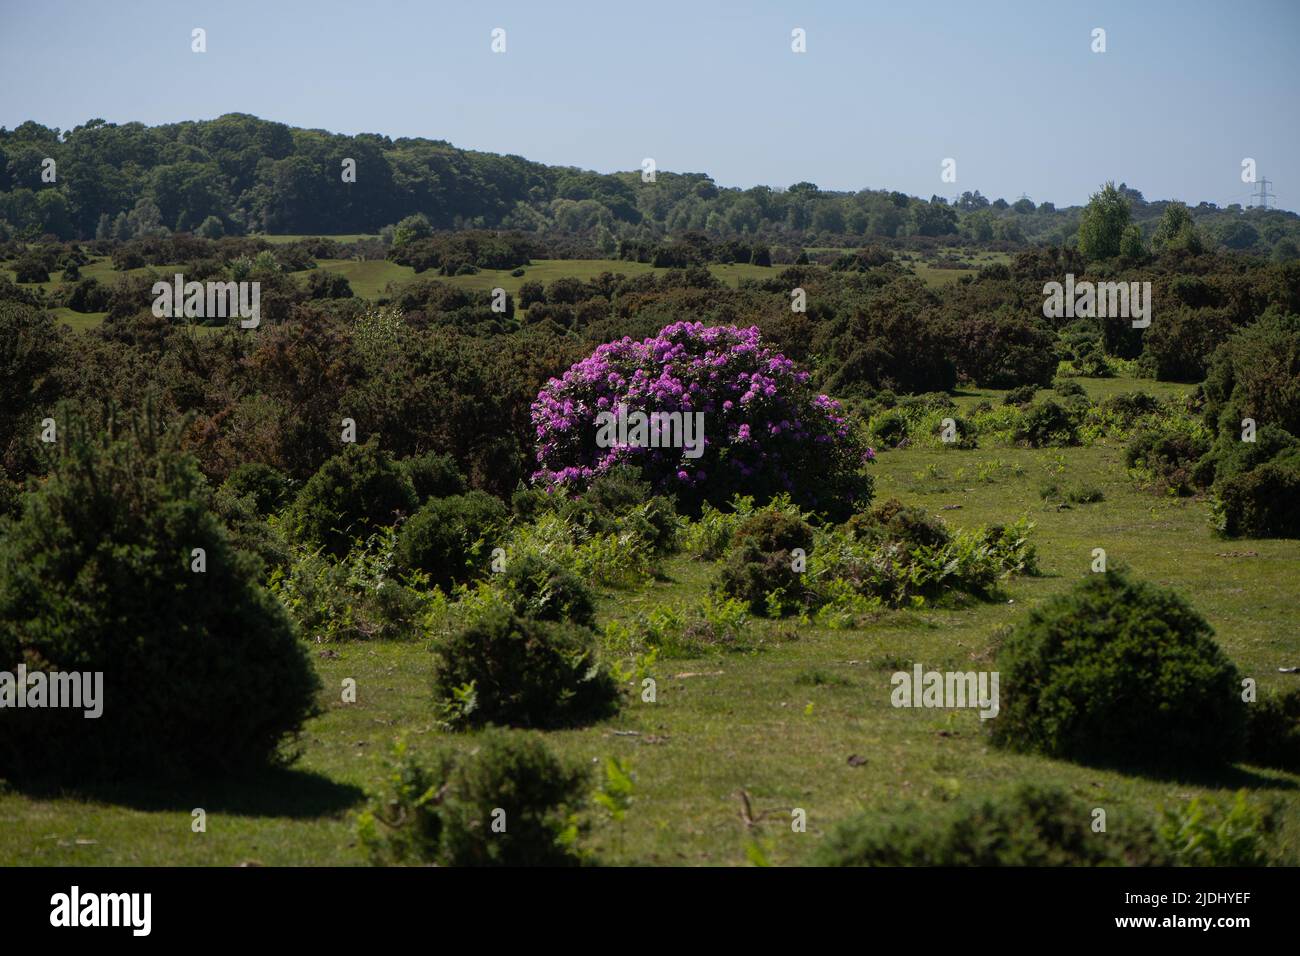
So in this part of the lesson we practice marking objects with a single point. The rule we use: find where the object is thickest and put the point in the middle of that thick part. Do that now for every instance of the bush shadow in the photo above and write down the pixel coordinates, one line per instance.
(276, 792)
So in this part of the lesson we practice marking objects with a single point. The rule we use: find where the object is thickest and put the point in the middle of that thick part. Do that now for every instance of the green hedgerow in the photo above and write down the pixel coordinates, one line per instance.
(1119, 672)
(506, 669)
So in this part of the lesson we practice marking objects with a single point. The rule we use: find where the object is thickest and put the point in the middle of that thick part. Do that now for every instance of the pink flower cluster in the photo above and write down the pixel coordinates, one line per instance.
(762, 421)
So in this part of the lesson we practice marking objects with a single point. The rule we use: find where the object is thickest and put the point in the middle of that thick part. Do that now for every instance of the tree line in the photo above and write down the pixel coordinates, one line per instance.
(239, 174)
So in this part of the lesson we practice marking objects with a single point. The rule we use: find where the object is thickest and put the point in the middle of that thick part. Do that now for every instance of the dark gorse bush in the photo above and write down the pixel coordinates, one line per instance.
(201, 669)
(1116, 671)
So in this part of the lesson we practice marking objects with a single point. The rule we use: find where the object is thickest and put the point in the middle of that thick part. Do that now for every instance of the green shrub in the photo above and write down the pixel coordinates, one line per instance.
(618, 502)
(1068, 388)
(1085, 495)
(450, 539)
(11, 498)
(771, 531)
(761, 561)
(267, 486)
(889, 429)
(30, 355)
(445, 813)
(31, 269)
(1166, 457)
(1034, 825)
(1256, 374)
(202, 672)
(249, 531)
(655, 522)
(324, 284)
(355, 492)
(506, 669)
(1010, 548)
(1203, 833)
(751, 575)
(1179, 345)
(1044, 424)
(547, 590)
(1116, 671)
(1231, 456)
(434, 476)
(1023, 395)
(1273, 731)
(709, 536)
(1261, 503)
(89, 296)
(1130, 406)
(357, 597)
(668, 632)
(893, 521)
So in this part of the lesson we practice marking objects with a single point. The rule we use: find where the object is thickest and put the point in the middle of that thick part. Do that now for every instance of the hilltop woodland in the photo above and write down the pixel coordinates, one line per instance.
(394, 480)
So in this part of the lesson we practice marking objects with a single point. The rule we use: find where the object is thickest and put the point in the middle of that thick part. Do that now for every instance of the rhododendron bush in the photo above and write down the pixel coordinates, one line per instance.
(766, 431)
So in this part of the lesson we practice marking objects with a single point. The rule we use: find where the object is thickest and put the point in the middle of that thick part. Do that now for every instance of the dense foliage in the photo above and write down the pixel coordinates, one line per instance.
(238, 173)
(510, 802)
(523, 672)
(117, 566)
(762, 428)
(1117, 671)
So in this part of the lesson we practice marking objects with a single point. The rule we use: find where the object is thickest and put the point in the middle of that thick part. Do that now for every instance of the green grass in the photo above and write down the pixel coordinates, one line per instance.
(369, 278)
(100, 268)
(937, 278)
(738, 721)
(78, 320)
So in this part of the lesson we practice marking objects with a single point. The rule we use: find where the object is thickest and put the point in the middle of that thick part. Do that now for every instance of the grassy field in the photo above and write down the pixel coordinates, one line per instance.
(778, 719)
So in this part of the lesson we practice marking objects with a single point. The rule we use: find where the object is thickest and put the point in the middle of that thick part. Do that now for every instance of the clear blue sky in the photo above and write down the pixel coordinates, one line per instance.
(1011, 90)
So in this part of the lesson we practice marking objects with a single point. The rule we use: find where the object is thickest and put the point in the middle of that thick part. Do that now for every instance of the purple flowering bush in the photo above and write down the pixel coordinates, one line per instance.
(765, 430)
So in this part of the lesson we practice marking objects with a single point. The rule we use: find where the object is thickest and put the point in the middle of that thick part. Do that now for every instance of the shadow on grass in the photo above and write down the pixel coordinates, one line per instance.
(280, 792)
(1231, 777)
